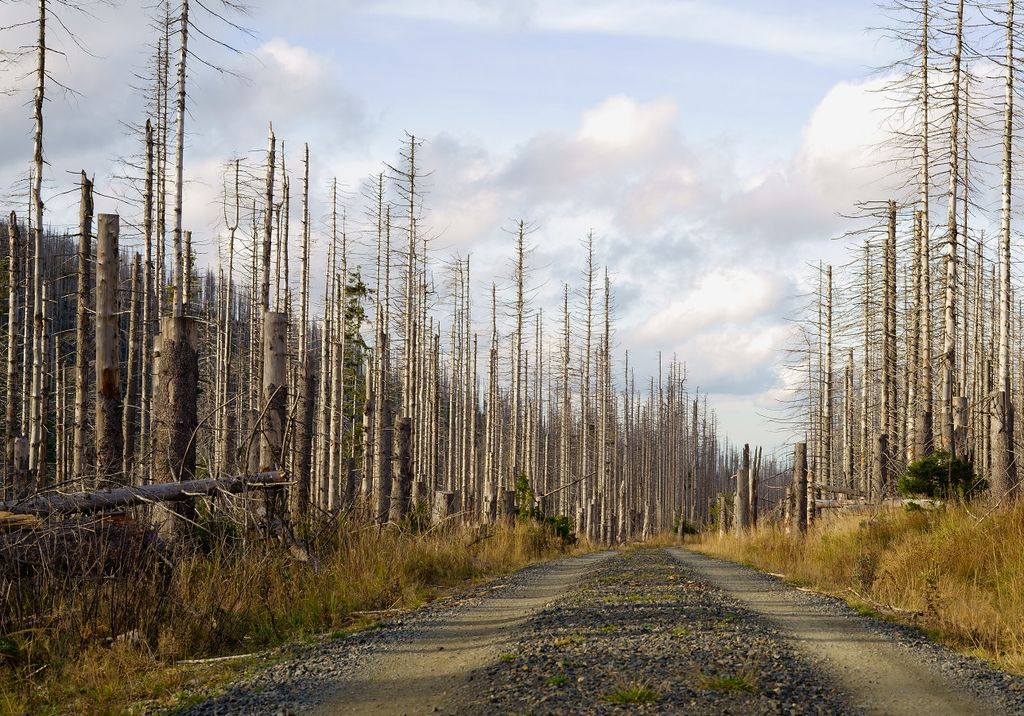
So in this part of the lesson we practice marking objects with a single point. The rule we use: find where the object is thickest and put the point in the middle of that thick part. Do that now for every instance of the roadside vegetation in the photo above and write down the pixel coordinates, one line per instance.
(79, 629)
(955, 571)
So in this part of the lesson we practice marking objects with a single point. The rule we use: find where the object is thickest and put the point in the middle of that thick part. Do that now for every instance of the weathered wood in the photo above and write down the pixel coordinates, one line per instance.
(109, 436)
(79, 457)
(120, 497)
(753, 482)
(351, 482)
(949, 328)
(402, 487)
(742, 508)
(275, 403)
(178, 270)
(508, 504)
(384, 469)
(800, 485)
(22, 480)
(880, 478)
(444, 505)
(268, 221)
(1003, 476)
(175, 400)
(130, 426)
(36, 417)
(275, 391)
(14, 252)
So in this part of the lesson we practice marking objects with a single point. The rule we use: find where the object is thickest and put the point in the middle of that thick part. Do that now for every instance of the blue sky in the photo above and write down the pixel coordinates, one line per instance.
(709, 145)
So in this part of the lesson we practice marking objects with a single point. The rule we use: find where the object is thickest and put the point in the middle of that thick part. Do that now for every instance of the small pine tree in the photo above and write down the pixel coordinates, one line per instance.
(940, 476)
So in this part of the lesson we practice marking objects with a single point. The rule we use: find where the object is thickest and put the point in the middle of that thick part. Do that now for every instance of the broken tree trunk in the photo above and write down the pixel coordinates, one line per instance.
(109, 437)
(175, 403)
(121, 497)
(275, 399)
(402, 488)
(800, 485)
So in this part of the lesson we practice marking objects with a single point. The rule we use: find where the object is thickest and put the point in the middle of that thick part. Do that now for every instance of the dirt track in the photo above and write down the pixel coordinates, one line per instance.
(641, 631)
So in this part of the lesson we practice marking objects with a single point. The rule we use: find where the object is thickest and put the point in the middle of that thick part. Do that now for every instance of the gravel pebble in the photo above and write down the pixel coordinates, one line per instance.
(640, 634)
(308, 673)
(974, 676)
(643, 635)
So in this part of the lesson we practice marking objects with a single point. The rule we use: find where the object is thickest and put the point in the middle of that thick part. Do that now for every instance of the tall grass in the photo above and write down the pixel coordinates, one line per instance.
(956, 572)
(72, 634)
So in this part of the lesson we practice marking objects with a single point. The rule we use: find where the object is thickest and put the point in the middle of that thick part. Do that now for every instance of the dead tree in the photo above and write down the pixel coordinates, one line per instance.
(109, 435)
(14, 251)
(1004, 473)
(79, 456)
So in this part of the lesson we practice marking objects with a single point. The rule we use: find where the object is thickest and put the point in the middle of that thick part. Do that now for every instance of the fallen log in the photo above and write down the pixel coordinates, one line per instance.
(10, 522)
(118, 497)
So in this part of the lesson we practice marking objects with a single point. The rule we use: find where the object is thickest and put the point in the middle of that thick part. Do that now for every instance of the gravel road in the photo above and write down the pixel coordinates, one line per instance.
(639, 631)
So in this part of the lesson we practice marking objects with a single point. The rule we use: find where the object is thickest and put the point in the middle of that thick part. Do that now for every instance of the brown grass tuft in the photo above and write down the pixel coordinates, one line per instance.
(73, 638)
(956, 572)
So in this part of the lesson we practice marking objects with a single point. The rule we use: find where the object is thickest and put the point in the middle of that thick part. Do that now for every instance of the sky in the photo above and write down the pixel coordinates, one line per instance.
(709, 145)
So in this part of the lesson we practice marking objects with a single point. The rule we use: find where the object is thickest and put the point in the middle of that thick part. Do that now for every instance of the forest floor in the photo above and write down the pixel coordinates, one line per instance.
(644, 630)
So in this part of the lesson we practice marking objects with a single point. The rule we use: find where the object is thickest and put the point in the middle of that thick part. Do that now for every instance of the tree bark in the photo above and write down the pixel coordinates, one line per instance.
(109, 435)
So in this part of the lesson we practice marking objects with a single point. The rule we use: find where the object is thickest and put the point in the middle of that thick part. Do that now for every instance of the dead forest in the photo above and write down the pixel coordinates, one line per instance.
(913, 347)
(315, 369)
(144, 376)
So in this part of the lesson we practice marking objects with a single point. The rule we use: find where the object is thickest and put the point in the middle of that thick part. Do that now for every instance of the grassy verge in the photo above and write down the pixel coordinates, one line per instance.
(105, 647)
(957, 573)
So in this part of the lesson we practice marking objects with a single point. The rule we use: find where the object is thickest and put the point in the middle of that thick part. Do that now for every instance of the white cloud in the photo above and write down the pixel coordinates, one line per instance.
(795, 34)
(733, 294)
(622, 123)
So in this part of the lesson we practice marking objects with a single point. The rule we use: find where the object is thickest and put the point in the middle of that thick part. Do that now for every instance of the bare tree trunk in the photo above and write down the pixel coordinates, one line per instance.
(129, 429)
(146, 385)
(889, 362)
(800, 485)
(275, 404)
(304, 425)
(179, 297)
(11, 432)
(1003, 478)
(79, 458)
(402, 487)
(36, 437)
(742, 511)
(225, 409)
(268, 220)
(923, 425)
(491, 483)
(949, 332)
(824, 475)
(565, 419)
(384, 468)
(881, 469)
(109, 437)
(174, 399)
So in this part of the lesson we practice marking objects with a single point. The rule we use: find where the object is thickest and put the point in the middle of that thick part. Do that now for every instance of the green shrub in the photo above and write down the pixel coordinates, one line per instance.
(940, 477)
(529, 510)
(685, 527)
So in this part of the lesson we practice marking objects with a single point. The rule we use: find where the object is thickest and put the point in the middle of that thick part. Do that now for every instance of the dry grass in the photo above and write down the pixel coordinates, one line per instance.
(73, 657)
(955, 572)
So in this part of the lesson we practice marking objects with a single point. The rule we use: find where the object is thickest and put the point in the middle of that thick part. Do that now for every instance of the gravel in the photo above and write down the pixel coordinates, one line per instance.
(1001, 692)
(643, 635)
(308, 675)
(638, 632)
